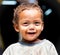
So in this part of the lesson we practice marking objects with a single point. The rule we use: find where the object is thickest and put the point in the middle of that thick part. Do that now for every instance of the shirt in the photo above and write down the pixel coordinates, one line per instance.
(43, 47)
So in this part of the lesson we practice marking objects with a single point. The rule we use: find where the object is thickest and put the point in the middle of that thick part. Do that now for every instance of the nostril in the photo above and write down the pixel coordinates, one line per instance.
(31, 28)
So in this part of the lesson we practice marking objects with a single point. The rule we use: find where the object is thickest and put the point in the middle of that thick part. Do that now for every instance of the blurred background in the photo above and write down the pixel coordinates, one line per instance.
(51, 9)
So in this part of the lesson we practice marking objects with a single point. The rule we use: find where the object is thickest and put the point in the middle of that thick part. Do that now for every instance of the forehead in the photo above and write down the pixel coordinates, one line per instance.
(30, 13)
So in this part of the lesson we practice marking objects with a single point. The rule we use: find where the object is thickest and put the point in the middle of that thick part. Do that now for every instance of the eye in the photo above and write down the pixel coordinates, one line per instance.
(25, 23)
(37, 23)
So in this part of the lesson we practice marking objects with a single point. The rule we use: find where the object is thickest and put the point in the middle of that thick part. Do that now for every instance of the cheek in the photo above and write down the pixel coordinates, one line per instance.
(39, 28)
(22, 29)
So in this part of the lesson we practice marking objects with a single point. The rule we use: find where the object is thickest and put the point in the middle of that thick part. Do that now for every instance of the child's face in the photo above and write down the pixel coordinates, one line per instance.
(29, 24)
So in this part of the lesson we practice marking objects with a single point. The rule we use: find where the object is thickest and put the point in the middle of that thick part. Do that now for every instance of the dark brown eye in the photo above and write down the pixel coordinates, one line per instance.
(25, 23)
(37, 23)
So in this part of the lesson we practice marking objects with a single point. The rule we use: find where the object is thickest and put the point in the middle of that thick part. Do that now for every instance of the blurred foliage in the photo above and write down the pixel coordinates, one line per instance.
(58, 1)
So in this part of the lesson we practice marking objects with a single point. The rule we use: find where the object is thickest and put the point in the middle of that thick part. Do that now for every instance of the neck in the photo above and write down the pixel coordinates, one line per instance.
(34, 41)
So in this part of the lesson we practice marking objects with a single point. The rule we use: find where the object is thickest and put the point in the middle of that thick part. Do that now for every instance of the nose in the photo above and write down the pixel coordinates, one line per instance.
(31, 27)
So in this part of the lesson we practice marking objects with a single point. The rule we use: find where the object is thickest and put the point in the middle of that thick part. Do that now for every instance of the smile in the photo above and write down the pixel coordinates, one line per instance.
(31, 33)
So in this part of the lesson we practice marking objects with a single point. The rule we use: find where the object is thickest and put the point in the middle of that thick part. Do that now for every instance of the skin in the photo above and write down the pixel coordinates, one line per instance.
(29, 25)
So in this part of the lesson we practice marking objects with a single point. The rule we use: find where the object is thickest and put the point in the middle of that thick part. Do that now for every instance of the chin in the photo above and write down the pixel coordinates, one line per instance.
(31, 40)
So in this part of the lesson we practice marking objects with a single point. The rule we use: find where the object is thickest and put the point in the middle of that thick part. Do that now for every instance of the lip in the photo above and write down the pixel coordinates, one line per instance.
(31, 33)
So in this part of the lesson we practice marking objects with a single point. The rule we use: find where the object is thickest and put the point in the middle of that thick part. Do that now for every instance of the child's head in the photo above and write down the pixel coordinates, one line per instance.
(28, 21)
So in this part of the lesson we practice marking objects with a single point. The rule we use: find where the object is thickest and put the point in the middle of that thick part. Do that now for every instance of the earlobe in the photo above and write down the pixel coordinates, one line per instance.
(16, 27)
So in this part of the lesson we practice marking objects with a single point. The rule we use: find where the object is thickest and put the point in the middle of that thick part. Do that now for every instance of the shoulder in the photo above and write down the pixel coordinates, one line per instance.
(51, 47)
(11, 48)
(14, 45)
(46, 43)
(48, 47)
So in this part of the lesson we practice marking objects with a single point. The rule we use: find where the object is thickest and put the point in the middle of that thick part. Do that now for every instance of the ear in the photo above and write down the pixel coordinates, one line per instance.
(16, 27)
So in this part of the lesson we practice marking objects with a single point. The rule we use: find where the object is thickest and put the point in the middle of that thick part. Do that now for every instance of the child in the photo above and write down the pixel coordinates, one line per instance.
(28, 22)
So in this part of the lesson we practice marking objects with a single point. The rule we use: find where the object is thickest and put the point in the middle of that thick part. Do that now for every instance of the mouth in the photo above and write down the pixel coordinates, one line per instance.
(31, 33)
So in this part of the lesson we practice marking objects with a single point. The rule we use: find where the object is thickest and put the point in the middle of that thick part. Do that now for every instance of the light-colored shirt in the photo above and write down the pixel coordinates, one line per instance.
(43, 47)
